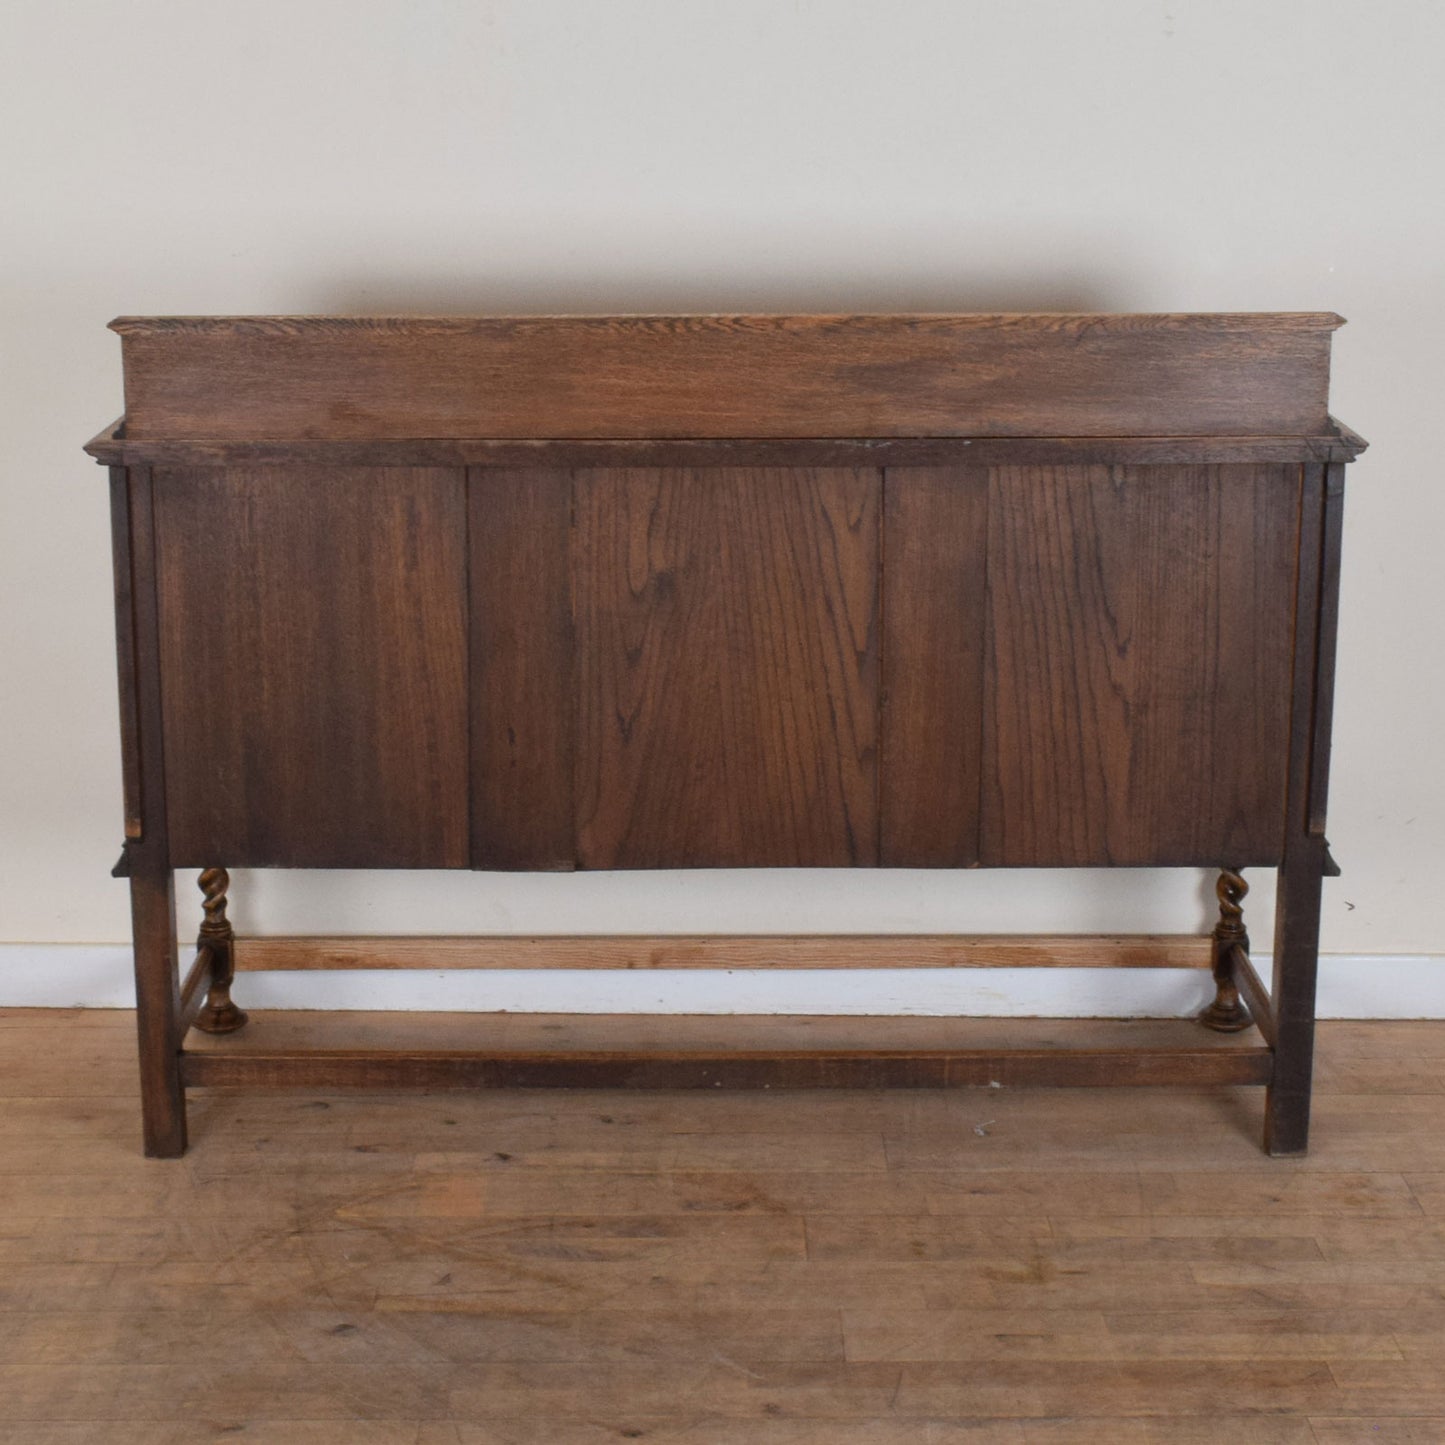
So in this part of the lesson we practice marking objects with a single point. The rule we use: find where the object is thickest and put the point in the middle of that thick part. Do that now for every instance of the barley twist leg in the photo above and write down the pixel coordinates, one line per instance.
(1227, 1013)
(218, 1014)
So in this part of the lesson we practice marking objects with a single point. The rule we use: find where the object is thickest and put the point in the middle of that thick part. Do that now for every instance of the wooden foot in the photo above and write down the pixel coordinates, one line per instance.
(218, 1014)
(1227, 1013)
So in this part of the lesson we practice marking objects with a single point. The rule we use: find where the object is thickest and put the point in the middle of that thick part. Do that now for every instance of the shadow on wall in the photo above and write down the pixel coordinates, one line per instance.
(679, 291)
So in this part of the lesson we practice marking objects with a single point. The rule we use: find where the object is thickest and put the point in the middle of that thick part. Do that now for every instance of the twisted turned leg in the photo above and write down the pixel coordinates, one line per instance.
(218, 1014)
(1227, 1013)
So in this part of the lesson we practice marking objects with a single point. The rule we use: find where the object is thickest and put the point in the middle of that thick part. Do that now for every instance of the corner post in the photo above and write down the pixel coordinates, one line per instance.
(1301, 873)
(157, 1010)
(152, 879)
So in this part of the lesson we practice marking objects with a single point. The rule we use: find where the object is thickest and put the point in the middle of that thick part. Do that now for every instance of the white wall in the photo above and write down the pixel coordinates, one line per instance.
(373, 156)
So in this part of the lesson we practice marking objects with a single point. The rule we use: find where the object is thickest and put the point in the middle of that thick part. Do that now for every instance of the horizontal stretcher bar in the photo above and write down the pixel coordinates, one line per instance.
(723, 951)
(656, 1069)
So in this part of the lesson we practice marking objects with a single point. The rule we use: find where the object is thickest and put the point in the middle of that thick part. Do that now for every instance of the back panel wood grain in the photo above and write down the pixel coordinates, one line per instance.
(727, 667)
(934, 554)
(281, 377)
(1138, 674)
(522, 682)
(314, 665)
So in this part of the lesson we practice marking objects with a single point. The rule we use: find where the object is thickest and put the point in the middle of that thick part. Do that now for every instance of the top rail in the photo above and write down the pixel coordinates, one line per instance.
(662, 377)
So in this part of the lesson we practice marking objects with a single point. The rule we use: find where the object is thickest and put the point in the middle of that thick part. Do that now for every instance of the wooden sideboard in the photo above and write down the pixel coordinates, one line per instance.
(913, 591)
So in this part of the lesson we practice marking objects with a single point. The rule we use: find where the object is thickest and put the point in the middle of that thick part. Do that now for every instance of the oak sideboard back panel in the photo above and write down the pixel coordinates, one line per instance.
(313, 635)
(1137, 678)
(708, 689)
(701, 592)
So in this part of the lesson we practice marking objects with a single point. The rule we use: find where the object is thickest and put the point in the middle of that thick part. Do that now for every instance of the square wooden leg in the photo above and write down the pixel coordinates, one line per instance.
(157, 1000)
(1296, 969)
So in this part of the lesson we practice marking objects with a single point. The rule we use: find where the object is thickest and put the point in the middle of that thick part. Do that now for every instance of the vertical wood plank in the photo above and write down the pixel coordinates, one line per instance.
(523, 706)
(1209, 766)
(152, 879)
(1301, 875)
(1324, 705)
(727, 667)
(120, 544)
(1059, 665)
(934, 546)
(1137, 677)
(313, 635)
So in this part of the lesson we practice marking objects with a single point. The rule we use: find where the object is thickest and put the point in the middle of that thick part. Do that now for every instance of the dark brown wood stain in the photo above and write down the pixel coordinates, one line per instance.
(934, 589)
(726, 376)
(313, 645)
(1138, 676)
(727, 668)
(678, 592)
(522, 684)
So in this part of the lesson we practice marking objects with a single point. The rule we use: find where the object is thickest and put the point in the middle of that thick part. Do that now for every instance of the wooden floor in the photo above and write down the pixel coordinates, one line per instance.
(553, 1268)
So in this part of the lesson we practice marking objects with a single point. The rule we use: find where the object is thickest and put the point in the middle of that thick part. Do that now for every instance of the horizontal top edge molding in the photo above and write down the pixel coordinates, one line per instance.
(112, 447)
(785, 377)
(1029, 320)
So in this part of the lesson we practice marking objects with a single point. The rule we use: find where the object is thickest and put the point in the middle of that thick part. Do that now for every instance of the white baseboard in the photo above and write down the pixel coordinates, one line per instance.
(76, 975)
